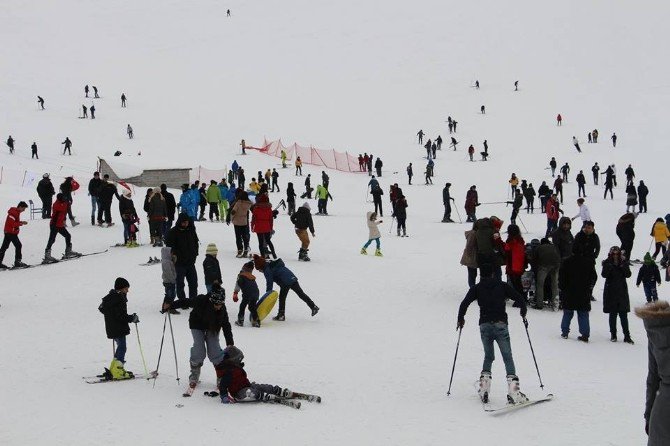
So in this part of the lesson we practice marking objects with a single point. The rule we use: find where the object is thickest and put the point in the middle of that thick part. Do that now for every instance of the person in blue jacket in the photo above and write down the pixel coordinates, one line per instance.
(276, 272)
(234, 167)
(195, 200)
(230, 196)
(186, 203)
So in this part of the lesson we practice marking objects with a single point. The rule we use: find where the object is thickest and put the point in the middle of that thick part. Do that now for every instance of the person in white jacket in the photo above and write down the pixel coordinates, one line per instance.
(584, 213)
(374, 234)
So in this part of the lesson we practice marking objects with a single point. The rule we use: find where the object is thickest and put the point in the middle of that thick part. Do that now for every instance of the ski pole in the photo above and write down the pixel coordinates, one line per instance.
(525, 324)
(174, 348)
(146, 372)
(459, 214)
(453, 367)
(521, 221)
(160, 351)
(392, 220)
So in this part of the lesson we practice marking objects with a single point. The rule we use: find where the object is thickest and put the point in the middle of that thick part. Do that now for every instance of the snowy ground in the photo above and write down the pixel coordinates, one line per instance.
(356, 76)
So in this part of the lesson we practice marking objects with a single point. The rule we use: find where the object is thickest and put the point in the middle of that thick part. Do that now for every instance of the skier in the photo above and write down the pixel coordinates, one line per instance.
(283, 159)
(276, 272)
(373, 233)
(239, 215)
(420, 135)
(559, 119)
(558, 187)
(615, 292)
(68, 146)
(433, 149)
(552, 209)
(446, 201)
(183, 240)
(649, 276)
(490, 294)
(290, 198)
(595, 169)
(630, 174)
(552, 165)
(565, 170)
(302, 220)
(590, 139)
(40, 101)
(86, 91)
(660, 233)
(438, 141)
(246, 282)
(516, 205)
(410, 173)
(95, 92)
(92, 110)
(454, 123)
(211, 268)
(298, 166)
(67, 187)
(115, 308)
(228, 13)
(123, 100)
(129, 131)
(377, 193)
(33, 150)
(46, 191)
(584, 213)
(471, 152)
(625, 230)
(477, 85)
(575, 296)
(401, 214)
(10, 144)
(482, 109)
(581, 182)
(642, 192)
(84, 111)
(631, 197)
(13, 225)
(614, 138)
(57, 226)
(516, 85)
(454, 143)
(378, 167)
(529, 195)
(275, 180)
(308, 187)
(471, 203)
(208, 317)
(429, 172)
(322, 196)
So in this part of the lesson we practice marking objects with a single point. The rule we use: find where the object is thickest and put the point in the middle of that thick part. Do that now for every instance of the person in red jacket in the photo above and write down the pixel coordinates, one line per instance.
(559, 119)
(552, 210)
(59, 212)
(261, 223)
(515, 254)
(12, 227)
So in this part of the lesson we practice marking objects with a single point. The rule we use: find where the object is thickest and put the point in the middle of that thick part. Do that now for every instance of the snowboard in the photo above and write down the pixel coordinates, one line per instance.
(265, 304)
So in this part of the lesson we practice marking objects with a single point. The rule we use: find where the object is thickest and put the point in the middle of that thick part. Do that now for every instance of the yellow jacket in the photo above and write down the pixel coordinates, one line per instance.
(660, 232)
(514, 181)
(254, 186)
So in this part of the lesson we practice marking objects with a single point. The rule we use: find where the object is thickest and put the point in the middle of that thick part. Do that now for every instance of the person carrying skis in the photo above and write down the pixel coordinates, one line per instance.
(491, 294)
(115, 308)
(446, 201)
(276, 272)
(207, 319)
(373, 233)
(57, 226)
(13, 225)
(302, 220)
(246, 282)
(649, 276)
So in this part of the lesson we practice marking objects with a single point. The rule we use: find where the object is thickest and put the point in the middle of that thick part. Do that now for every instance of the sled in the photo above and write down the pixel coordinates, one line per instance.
(266, 303)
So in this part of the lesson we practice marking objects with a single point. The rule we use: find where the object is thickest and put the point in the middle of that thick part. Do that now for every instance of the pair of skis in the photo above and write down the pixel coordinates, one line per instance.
(106, 378)
(287, 398)
(486, 405)
(63, 259)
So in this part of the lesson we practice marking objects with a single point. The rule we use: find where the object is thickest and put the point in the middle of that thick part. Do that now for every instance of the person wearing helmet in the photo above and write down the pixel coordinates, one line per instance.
(208, 317)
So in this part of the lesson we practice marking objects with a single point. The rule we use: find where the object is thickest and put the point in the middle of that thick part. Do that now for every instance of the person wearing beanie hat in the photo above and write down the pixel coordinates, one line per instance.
(246, 282)
(129, 218)
(46, 191)
(114, 307)
(13, 225)
(276, 272)
(649, 275)
(207, 319)
(211, 267)
(302, 220)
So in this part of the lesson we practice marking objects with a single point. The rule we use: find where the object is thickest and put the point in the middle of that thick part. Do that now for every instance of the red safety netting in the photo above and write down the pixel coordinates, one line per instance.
(332, 159)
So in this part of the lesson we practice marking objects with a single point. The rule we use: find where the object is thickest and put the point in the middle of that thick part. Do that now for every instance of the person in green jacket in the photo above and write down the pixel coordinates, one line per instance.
(213, 195)
(223, 203)
(322, 195)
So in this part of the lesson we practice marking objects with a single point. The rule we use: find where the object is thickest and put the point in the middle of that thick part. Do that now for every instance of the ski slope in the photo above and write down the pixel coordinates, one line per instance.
(355, 76)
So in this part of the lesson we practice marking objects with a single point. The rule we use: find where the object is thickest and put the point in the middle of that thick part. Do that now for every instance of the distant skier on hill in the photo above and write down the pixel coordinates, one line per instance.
(40, 101)
(129, 131)
(92, 109)
(438, 141)
(614, 138)
(84, 111)
(378, 166)
(410, 173)
(575, 142)
(552, 166)
(123, 100)
(420, 135)
(95, 92)
(595, 169)
(565, 170)
(446, 201)
(33, 150)
(10, 144)
(559, 119)
(86, 90)
(516, 85)
(454, 143)
(67, 146)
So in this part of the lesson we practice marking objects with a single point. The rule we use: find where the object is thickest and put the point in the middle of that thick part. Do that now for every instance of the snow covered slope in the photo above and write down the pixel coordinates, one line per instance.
(357, 76)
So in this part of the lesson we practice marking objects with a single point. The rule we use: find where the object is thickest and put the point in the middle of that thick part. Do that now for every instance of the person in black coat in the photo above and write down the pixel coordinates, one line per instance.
(170, 208)
(587, 244)
(183, 240)
(563, 238)
(377, 193)
(615, 293)
(106, 194)
(246, 282)
(211, 267)
(446, 201)
(46, 191)
(378, 167)
(642, 192)
(544, 192)
(575, 295)
(207, 319)
(115, 308)
(625, 230)
(94, 185)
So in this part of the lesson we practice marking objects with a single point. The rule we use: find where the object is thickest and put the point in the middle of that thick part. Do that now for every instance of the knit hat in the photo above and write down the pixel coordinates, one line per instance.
(647, 259)
(233, 354)
(307, 206)
(120, 283)
(259, 262)
(46, 175)
(212, 249)
(248, 267)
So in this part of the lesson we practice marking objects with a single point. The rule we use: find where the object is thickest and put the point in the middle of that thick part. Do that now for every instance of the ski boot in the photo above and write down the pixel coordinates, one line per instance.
(302, 255)
(92, 220)
(239, 253)
(364, 251)
(279, 317)
(245, 253)
(239, 322)
(3, 266)
(613, 337)
(583, 339)
(514, 395)
(628, 340)
(48, 258)
(74, 222)
(118, 372)
(194, 376)
(378, 253)
(19, 264)
(315, 310)
(70, 254)
(484, 386)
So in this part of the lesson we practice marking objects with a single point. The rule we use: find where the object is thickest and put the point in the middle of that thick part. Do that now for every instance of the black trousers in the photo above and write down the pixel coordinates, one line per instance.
(283, 292)
(213, 210)
(242, 237)
(55, 231)
(378, 208)
(251, 303)
(46, 206)
(14, 240)
(105, 210)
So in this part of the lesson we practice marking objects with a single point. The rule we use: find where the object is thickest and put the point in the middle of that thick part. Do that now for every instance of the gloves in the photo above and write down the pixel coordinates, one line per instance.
(460, 324)
(134, 318)
(235, 298)
(525, 321)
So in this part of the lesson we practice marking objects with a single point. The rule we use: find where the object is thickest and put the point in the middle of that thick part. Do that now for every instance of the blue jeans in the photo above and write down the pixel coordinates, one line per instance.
(650, 291)
(170, 292)
(376, 240)
(120, 352)
(582, 320)
(499, 333)
(94, 205)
